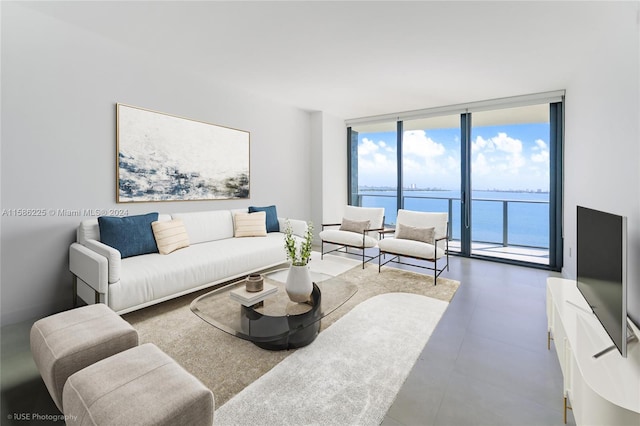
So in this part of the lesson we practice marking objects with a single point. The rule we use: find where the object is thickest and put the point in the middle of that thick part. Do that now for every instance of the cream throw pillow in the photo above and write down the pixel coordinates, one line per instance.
(250, 224)
(170, 235)
(426, 235)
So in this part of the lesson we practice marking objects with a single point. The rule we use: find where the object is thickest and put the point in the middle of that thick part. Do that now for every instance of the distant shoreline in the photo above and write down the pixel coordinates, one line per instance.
(389, 189)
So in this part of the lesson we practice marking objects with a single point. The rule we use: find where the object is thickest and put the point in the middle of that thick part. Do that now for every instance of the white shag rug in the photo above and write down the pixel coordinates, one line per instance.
(349, 375)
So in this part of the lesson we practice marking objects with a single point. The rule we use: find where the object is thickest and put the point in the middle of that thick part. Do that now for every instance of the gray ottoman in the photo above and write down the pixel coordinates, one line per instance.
(67, 342)
(140, 386)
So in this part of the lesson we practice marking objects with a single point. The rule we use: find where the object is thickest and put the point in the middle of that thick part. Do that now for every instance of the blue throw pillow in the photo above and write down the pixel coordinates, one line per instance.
(272, 217)
(130, 235)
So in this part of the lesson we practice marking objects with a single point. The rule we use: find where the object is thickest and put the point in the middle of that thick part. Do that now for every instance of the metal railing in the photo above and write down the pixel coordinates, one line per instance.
(450, 210)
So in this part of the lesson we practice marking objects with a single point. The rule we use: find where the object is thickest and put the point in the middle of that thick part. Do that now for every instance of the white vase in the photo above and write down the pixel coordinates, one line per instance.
(299, 285)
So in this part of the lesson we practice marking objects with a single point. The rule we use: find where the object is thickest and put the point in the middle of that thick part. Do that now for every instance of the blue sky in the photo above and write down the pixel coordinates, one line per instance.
(503, 157)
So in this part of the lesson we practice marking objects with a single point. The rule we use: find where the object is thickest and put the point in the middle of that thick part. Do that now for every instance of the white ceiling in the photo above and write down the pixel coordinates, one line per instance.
(356, 59)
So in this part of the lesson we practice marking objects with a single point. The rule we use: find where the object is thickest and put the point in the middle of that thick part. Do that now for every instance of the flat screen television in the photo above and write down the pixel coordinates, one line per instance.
(602, 270)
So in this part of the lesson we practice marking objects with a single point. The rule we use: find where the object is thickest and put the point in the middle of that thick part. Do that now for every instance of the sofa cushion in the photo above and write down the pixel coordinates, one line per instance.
(272, 217)
(130, 235)
(90, 230)
(410, 248)
(250, 224)
(153, 277)
(348, 238)
(170, 236)
(207, 226)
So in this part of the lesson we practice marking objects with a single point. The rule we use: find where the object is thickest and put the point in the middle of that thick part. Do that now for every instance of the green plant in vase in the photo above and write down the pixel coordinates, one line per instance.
(302, 256)
(299, 285)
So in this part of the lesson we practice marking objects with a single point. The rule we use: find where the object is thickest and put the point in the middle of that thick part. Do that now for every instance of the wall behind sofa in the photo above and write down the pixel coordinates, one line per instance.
(60, 85)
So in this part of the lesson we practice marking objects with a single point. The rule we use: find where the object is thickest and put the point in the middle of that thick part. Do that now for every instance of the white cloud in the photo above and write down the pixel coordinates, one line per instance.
(542, 157)
(376, 162)
(480, 144)
(416, 142)
(453, 164)
(507, 144)
(541, 144)
(480, 165)
(506, 154)
(410, 166)
(540, 152)
(367, 147)
(427, 163)
(502, 142)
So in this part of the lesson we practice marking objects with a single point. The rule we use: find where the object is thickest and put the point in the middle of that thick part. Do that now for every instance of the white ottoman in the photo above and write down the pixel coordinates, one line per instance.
(140, 386)
(67, 342)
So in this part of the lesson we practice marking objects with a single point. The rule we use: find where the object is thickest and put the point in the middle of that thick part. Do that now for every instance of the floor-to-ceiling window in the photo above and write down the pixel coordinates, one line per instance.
(431, 169)
(510, 183)
(374, 167)
(495, 167)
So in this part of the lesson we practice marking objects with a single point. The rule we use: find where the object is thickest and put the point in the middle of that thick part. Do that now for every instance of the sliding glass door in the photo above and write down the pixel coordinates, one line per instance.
(510, 183)
(496, 171)
(431, 169)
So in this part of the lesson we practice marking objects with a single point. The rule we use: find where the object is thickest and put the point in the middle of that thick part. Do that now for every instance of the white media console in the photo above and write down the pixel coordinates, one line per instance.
(600, 391)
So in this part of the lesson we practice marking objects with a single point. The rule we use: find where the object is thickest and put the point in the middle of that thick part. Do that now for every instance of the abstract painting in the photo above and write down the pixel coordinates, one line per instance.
(162, 157)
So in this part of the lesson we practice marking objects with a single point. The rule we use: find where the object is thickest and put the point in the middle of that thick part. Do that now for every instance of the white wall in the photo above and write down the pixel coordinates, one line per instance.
(602, 137)
(317, 124)
(60, 85)
(334, 169)
(328, 168)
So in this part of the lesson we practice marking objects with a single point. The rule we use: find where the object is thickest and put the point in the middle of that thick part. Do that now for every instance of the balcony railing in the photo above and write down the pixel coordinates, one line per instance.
(503, 209)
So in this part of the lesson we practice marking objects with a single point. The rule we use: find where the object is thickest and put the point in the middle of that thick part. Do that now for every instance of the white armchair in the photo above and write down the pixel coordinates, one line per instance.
(354, 232)
(418, 235)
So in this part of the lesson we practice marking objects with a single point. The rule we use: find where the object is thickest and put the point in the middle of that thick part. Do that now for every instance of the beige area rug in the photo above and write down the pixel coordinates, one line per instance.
(227, 364)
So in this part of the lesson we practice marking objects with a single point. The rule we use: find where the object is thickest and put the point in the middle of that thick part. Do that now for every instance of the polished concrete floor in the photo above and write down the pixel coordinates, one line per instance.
(487, 362)
(25, 400)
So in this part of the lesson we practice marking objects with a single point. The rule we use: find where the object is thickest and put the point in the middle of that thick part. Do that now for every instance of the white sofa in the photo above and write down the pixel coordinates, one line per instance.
(213, 256)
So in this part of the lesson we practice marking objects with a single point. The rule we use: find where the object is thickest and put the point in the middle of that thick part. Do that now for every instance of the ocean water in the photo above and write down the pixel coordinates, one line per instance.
(527, 213)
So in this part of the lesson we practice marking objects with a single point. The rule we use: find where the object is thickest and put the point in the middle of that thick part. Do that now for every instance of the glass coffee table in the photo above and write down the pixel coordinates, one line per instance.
(275, 323)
